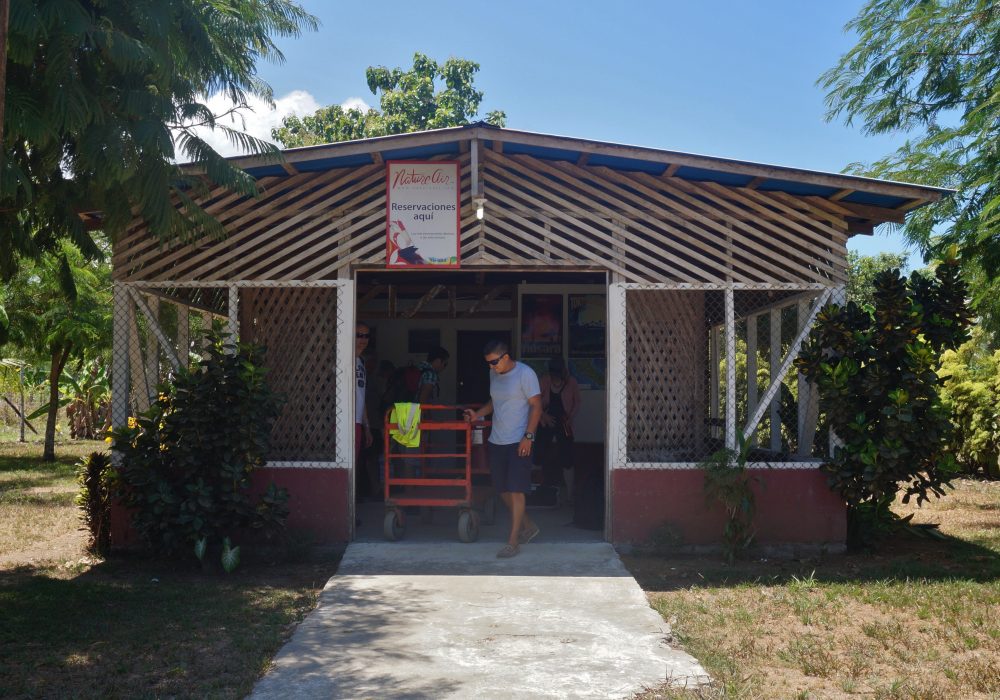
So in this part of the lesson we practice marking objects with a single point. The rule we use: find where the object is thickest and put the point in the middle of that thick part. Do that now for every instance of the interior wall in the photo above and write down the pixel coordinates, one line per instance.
(391, 340)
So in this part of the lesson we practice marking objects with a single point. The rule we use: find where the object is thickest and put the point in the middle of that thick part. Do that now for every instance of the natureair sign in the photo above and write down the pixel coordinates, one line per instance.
(422, 214)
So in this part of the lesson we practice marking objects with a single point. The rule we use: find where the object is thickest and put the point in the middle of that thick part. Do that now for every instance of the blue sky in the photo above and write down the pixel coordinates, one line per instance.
(732, 79)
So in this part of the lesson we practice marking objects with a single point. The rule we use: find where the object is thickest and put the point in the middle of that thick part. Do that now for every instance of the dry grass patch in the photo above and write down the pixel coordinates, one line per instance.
(918, 619)
(129, 627)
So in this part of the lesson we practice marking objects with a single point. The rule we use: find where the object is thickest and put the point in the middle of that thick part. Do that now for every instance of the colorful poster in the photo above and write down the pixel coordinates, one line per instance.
(587, 320)
(589, 372)
(541, 325)
(422, 214)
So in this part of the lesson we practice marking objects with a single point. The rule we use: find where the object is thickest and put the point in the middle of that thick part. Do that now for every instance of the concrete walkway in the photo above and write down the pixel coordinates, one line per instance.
(450, 620)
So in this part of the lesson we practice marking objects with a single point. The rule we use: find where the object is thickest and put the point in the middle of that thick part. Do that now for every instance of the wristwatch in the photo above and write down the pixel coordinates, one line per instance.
(530, 436)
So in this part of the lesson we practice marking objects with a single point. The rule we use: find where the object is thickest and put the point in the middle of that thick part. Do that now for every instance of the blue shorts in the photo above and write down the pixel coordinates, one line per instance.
(511, 473)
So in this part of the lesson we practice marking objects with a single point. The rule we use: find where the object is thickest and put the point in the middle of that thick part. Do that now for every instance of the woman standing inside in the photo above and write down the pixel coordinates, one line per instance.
(560, 402)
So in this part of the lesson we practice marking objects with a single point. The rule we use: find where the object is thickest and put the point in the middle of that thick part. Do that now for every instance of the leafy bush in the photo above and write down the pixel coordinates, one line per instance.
(971, 391)
(186, 462)
(875, 368)
(729, 483)
(95, 476)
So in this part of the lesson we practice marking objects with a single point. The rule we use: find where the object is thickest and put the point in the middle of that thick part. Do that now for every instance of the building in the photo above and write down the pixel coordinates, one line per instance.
(666, 279)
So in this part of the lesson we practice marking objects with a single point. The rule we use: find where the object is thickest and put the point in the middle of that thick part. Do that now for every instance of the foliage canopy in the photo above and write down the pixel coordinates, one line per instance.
(101, 102)
(410, 100)
(932, 68)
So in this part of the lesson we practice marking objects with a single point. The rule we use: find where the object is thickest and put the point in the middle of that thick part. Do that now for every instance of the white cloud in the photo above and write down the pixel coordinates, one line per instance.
(355, 103)
(259, 118)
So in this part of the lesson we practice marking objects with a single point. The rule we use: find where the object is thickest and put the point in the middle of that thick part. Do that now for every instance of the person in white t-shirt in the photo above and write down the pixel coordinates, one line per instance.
(516, 405)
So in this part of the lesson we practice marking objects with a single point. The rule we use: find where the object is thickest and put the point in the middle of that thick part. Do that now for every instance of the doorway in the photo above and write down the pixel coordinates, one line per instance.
(460, 310)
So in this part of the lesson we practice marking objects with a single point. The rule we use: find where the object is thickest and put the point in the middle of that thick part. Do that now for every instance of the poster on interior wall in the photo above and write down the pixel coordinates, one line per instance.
(589, 372)
(422, 214)
(541, 325)
(587, 319)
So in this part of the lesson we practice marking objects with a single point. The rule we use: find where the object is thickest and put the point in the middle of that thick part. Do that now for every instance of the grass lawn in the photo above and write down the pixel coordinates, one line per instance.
(128, 627)
(919, 618)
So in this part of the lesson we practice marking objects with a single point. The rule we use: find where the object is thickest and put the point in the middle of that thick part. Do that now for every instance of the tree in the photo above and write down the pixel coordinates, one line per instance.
(931, 68)
(875, 368)
(101, 102)
(59, 308)
(862, 270)
(971, 392)
(410, 101)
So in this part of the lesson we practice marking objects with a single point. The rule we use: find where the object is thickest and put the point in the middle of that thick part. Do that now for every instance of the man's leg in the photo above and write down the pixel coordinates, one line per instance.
(516, 517)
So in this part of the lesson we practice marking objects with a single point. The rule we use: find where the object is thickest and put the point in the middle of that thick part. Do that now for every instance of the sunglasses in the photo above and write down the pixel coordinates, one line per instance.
(494, 363)
(362, 335)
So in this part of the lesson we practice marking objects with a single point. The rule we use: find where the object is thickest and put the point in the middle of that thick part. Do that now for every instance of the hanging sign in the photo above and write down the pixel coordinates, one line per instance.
(422, 214)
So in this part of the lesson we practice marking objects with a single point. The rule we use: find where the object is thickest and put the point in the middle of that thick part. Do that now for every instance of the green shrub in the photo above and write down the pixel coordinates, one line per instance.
(875, 368)
(187, 461)
(95, 476)
(971, 391)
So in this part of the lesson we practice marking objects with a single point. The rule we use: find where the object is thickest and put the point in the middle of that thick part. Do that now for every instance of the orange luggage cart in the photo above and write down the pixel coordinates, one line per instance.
(438, 485)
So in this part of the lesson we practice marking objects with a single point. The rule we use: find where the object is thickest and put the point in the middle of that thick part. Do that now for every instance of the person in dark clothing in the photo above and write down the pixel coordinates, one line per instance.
(560, 403)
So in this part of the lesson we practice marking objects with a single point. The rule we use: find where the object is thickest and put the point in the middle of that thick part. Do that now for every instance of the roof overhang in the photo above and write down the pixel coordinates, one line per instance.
(873, 201)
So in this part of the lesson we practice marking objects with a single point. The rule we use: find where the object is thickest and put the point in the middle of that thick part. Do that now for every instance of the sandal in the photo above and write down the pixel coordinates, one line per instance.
(525, 536)
(508, 551)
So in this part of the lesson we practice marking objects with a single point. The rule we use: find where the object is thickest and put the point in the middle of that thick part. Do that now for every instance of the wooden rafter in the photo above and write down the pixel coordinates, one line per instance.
(423, 301)
(483, 301)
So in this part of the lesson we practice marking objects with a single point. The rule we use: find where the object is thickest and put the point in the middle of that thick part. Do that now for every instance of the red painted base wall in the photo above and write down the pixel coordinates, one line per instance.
(317, 498)
(793, 506)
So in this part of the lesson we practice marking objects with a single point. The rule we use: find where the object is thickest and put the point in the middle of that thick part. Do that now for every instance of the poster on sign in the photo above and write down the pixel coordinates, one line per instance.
(422, 214)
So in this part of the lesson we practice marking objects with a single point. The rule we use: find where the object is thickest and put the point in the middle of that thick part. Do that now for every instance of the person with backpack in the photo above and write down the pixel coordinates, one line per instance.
(429, 383)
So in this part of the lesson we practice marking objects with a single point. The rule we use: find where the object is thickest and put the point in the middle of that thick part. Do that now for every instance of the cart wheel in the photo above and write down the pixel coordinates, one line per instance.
(490, 510)
(392, 526)
(468, 526)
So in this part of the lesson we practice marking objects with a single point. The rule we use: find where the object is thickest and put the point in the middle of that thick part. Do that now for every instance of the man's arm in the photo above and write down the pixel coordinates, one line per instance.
(486, 410)
(535, 413)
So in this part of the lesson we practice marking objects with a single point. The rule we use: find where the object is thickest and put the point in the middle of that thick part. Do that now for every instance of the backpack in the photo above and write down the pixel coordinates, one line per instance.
(404, 384)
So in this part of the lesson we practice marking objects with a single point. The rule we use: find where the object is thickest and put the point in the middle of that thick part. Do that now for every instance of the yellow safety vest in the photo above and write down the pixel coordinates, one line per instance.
(406, 416)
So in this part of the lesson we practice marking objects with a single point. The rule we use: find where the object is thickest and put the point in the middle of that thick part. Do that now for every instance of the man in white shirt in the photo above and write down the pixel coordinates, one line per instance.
(516, 405)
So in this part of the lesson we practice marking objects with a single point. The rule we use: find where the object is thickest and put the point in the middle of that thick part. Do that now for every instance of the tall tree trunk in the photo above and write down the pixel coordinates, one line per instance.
(59, 357)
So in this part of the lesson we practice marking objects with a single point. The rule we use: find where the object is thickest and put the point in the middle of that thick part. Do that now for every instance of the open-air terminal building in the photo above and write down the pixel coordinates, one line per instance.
(665, 280)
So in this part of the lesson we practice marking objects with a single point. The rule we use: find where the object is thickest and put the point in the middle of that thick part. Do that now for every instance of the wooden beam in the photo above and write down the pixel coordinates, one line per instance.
(671, 170)
(289, 168)
(912, 204)
(755, 183)
(370, 294)
(423, 301)
(483, 301)
(582, 160)
(377, 158)
(837, 196)
(879, 214)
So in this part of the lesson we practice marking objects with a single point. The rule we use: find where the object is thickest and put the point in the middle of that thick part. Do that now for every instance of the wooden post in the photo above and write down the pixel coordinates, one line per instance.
(233, 316)
(120, 355)
(751, 368)
(714, 381)
(344, 363)
(774, 365)
(183, 334)
(153, 347)
(730, 371)
(20, 388)
(135, 364)
(206, 326)
(802, 405)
